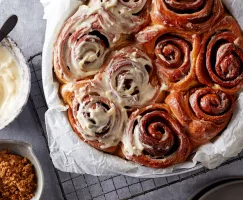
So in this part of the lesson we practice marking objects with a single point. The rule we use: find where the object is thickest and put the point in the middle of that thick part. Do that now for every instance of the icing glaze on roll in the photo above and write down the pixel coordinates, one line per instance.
(131, 15)
(95, 118)
(9, 80)
(130, 81)
(83, 43)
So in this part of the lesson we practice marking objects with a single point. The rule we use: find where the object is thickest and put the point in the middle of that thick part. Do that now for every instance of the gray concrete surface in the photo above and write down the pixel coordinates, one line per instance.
(29, 34)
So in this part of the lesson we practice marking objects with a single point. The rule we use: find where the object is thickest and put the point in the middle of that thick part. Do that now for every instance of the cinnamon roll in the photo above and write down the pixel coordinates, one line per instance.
(220, 61)
(174, 53)
(154, 138)
(132, 15)
(97, 120)
(204, 112)
(197, 16)
(130, 79)
(82, 44)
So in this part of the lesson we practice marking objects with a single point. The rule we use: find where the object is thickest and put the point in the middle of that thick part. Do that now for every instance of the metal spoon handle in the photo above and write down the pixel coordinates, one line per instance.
(8, 26)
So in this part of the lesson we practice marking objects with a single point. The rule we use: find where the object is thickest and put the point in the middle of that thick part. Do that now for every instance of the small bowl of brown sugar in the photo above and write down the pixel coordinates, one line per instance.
(21, 176)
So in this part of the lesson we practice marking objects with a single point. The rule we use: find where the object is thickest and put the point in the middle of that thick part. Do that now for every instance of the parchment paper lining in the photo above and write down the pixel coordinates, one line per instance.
(70, 154)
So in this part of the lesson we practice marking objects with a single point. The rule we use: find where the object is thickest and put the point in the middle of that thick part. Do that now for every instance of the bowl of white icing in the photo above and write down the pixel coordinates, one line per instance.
(14, 81)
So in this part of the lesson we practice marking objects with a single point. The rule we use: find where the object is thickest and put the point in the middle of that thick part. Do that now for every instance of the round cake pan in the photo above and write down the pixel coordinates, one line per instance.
(24, 87)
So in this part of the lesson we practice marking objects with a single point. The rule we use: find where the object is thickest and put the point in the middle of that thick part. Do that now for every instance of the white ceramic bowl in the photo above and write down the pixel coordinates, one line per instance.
(24, 88)
(25, 149)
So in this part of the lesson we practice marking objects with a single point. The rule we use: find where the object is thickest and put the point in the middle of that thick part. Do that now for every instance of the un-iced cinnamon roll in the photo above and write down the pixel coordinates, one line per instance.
(205, 112)
(220, 61)
(174, 53)
(196, 16)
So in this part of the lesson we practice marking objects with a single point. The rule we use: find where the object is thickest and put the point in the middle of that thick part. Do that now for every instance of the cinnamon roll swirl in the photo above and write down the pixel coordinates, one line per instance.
(204, 112)
(82, 44)
(154, 138)
(132, 15)
(196, 16)
(130, 79)
(174, 53)
(220, 61)
(97, 120)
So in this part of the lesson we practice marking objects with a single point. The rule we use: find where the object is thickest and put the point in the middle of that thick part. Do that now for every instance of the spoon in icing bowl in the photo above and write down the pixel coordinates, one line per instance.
(8, 26)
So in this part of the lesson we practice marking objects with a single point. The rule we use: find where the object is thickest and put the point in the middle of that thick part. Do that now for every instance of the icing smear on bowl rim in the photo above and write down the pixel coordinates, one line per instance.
(14, 81)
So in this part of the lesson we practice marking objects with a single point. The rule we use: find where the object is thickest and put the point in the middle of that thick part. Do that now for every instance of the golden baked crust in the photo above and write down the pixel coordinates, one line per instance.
(17, 177)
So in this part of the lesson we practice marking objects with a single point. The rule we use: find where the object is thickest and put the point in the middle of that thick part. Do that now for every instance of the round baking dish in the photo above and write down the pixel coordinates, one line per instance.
(25, 149)
(24, 87)
(99, 163)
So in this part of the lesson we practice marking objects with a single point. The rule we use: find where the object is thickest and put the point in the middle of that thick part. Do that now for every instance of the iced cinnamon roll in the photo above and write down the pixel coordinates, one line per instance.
(129, 77)
(131, 15)
(154, 138)
(97, 120)
(82, 44)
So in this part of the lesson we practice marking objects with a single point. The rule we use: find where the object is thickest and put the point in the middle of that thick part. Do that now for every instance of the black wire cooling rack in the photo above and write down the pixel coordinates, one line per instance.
(87, 187)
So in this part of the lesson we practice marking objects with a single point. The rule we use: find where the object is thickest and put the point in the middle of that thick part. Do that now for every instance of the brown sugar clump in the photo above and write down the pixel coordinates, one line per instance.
(17, 177)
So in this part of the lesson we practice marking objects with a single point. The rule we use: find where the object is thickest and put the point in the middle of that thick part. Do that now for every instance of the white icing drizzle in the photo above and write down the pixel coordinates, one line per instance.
(123, 12)
(86, 52)
(150, 31)
(130, 7)
(137, 145)
(81, 52)
(109, 4)
(128, 148)
(164, 87)
(134, 146)
(98, 118)
(238, 41)
(9, 80)
(128, 80)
